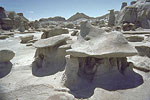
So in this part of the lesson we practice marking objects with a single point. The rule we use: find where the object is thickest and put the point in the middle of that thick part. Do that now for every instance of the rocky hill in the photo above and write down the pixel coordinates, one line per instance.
(79, 16)
(57, 18)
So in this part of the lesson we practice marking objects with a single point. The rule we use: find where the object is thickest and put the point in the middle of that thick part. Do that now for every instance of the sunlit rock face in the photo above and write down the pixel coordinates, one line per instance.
(96, 56)
(137, 13)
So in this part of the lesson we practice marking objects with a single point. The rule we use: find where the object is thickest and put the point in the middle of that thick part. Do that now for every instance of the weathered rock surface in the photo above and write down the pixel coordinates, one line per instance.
(21, 27)
(3, 36)
(71, 26)
(138, 14)
(50, 42)
(135, 38)
(143, 50)
(54, 32)
(7, 24)
(98, 59)
(141, 63)
(114, 44)
(25, 39)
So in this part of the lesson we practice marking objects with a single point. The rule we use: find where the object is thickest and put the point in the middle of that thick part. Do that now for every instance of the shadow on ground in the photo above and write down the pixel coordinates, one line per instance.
(5, 68)
(39, 71)
(110, 82)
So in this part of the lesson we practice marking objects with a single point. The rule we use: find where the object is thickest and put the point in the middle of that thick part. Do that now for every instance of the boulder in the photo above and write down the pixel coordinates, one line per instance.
(25, 39)
(135, 38)
(143, 50)
(54, 32)
(128, 27)
(4, 36)
(6, 55)
(74, 33)
(71, 26)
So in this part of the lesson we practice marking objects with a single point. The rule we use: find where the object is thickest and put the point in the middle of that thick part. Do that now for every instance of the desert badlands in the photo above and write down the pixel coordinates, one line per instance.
(80, 58)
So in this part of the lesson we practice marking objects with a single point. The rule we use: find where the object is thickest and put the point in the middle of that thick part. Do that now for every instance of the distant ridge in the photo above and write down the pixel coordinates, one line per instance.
(78, 16)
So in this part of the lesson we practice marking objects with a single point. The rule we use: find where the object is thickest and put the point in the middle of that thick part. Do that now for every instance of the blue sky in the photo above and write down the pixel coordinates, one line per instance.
(36, 9)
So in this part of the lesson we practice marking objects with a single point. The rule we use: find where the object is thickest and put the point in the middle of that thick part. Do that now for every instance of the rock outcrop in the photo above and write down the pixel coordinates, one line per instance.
(111, 21)
(10, 20)
(124, 4)
(137, 13)
(7, 24)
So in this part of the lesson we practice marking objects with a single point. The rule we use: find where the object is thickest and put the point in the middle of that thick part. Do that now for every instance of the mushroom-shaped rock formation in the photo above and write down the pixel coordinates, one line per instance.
(5, 64)
(49, 57)
(98, 43)
(96, 54)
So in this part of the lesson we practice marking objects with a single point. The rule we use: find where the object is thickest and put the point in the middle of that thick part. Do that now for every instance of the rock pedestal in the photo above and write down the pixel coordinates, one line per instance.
(111, 21)
(96, 53)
